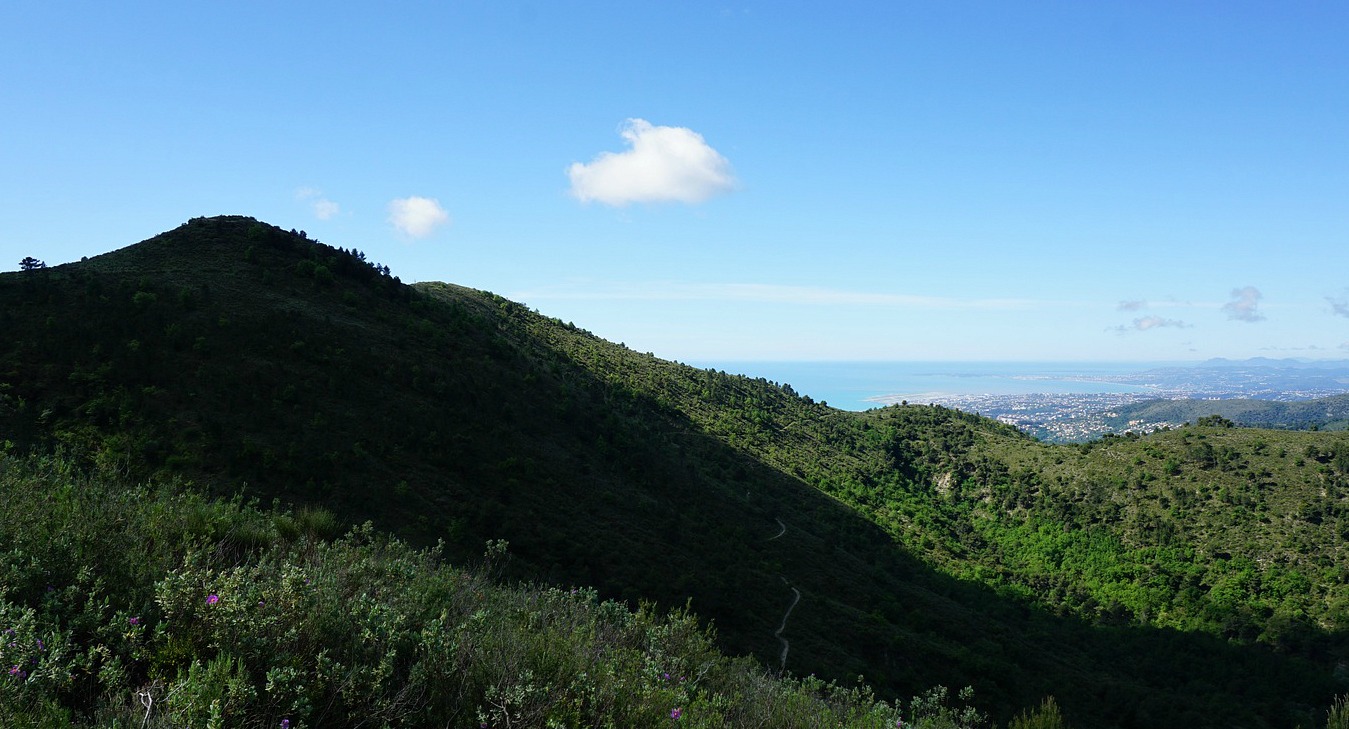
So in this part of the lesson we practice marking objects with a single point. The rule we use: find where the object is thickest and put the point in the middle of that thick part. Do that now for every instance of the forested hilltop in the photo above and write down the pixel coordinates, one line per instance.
(1194, 577)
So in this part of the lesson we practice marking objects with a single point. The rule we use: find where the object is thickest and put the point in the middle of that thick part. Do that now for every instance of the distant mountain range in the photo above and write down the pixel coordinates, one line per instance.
(1256, 379)
(1285, 363)
(1261, 392)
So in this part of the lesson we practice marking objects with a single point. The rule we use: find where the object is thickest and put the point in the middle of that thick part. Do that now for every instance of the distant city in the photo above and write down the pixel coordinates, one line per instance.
(1080, 416)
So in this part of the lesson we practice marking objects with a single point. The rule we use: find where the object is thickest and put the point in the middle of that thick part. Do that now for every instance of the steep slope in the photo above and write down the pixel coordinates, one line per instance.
(246, 357)
(213, 613)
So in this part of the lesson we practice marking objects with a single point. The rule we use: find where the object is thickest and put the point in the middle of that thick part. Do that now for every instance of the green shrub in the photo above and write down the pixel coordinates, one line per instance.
(1047, 716)
(932, 710)
(130, 606)
(1338, 716)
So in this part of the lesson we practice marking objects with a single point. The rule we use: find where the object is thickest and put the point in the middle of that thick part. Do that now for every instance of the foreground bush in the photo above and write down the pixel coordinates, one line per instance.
(133, 606)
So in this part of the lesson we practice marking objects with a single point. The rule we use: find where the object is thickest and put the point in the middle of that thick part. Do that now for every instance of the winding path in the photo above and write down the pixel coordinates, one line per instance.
(796, 597)
(782, 660)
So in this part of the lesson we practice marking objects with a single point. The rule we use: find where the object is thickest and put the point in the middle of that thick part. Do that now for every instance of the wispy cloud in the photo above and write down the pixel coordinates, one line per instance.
(1339, 306)
(1146, 323)
(1308, 348)
(769, 293)
(325, 209)
(1244, 305)
(417, 217)
(662, 164)
(322, 207)
(1166, 303)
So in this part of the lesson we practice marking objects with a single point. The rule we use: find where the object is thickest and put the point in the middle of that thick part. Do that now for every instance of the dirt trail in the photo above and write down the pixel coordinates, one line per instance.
(796, 597)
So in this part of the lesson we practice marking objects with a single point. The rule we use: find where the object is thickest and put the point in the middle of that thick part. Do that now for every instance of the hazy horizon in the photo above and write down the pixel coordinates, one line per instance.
(862, 385)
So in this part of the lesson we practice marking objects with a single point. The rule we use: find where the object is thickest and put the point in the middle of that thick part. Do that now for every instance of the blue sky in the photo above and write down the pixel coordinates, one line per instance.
(732, 181)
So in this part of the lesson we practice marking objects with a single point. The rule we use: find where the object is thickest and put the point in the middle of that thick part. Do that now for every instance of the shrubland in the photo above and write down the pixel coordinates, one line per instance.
(154, 606)
(1193, 577)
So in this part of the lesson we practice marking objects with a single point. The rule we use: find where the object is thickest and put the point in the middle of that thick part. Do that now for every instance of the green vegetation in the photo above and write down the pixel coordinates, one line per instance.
(1325, 413)
(1338, 716)
(1193, 577)
(1047, 716)
(154, 607)
(1227, 531)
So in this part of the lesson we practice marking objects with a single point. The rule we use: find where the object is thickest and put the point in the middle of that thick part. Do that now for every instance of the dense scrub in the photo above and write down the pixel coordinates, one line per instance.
(136, 606)
(1186, 578)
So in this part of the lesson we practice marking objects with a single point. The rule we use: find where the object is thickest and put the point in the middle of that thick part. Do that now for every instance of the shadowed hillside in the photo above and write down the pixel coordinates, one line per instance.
(928, 546)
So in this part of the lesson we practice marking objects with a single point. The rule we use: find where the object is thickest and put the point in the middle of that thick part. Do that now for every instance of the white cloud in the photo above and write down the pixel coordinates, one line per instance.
(322, 207)
(325, 209)
(1145, 323)
(663, 164)
(1134, 305)
(417, 217)
(1244, 303)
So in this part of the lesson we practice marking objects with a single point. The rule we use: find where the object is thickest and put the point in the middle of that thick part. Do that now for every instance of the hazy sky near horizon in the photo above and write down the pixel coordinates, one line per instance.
(732, 180)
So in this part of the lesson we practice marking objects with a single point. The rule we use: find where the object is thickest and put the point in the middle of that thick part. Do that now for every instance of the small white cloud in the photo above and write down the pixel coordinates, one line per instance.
(1244, 303)
(326, 209)
(663, 164)
(1145, 323)
(1154, 322)
(1134, 305)
(322, 207)
(417, 217)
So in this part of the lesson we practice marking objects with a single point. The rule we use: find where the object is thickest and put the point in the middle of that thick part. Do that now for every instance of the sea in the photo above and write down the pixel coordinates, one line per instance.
(866, 385)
